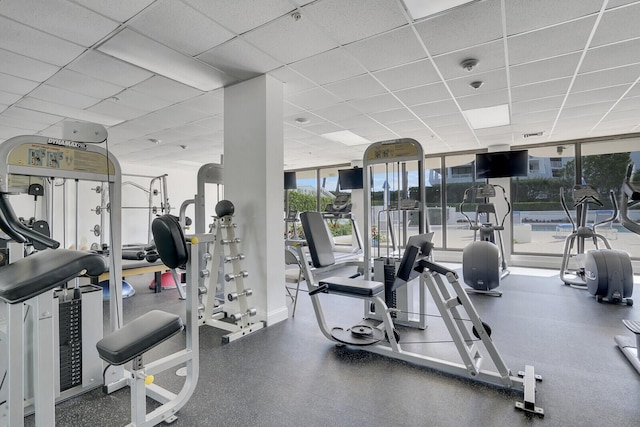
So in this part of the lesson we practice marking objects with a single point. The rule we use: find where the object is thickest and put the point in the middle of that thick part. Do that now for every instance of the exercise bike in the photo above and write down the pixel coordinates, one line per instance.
(483, 261)
(630, 196)
(604, 272)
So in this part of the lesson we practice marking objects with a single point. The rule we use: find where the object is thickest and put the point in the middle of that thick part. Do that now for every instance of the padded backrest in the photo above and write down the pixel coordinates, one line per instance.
(170, 242)
(318, 239)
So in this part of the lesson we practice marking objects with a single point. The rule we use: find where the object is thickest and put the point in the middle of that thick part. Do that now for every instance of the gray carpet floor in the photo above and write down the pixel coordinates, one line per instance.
(290, 375)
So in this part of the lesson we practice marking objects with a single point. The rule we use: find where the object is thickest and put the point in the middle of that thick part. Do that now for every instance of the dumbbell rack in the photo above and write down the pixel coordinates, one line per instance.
(233, 313)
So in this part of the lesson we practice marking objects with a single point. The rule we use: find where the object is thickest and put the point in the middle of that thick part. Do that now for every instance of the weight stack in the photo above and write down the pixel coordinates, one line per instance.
(70, 348)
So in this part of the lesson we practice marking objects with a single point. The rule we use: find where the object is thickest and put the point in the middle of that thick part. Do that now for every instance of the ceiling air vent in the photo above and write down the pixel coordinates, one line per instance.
(531, 135)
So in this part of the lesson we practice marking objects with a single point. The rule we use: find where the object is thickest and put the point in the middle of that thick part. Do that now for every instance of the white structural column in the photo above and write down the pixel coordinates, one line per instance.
(253, 181)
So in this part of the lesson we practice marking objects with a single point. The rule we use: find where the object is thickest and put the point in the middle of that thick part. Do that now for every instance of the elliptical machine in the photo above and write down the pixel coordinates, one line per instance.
(483, 261)
(606, 273)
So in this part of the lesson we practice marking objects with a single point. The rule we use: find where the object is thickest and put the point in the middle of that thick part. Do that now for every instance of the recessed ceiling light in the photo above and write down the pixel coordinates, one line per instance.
(302, 120)
(481, 118)
(345, 137)
(155, 141)
(422, 8)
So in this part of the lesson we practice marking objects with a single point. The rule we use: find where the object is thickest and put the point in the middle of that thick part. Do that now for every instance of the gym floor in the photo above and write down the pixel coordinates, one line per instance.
(290, 375)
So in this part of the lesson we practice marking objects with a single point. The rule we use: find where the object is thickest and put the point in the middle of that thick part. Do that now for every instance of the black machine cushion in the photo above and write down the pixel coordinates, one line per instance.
(43, 271)
(138, 337)
(169, 240)
(358, 287)
(315, 231)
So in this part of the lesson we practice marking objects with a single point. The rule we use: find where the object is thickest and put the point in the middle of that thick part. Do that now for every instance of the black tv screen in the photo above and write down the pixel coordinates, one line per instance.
(502, 164)
(350, 179)
(290, 181)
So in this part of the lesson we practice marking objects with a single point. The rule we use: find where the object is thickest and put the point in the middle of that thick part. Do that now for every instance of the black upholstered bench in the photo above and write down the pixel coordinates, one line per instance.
(356, 287)
(138, 337)
(31, 276)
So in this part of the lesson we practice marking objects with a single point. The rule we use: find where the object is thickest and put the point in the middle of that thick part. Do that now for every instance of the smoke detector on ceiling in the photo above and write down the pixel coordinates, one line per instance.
(469, 64)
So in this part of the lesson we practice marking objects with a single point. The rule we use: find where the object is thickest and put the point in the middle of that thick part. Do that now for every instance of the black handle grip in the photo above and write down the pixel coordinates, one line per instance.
(12, 221)
(321, 288)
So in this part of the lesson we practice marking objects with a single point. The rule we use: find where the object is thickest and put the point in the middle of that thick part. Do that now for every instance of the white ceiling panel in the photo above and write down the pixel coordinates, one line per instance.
(27, 126)
(586, 110)
(535, 105)
(628, 103)
(64, 97)
(356, 88)
(477, 23)
(445, 120)
(617, 25)
(527, 15)
(167, 89)
(35, 44)
(313, 99)
(538, 117)
(634, 91)
(26, 68)
(401, 128)
(348, 21)
(595, 96)
(116, 109)
(109, 69)
(180, 27)
(288, 40)
(541, 90)
(7, 98)
(242, 15)
(482, 100)
(321, 128)
(211, 103)
(552, 41)
(173, 116)
(329, 67)
(414, 74)
(61, 17)
(438, 108)
(293, 81)
(376, 103)
(391, 116)
(337, 112)
(118, 10)
(7, 132)
(423, 94)
(356, 122)
(546, 69)
(31, 116)
(617, 3)
(239, 59)
(490, 56)
(16, 85)
(141, 101)
(604, 78)
(611, 56)
(382, 51)
(83, 84)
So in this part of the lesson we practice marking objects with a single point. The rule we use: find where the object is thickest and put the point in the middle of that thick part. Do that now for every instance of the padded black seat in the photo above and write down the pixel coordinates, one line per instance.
(138, 337)
(346, 285)
(43, 271)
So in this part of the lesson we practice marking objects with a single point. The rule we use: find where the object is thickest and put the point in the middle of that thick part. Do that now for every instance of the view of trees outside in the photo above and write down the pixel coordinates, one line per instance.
(540, 225)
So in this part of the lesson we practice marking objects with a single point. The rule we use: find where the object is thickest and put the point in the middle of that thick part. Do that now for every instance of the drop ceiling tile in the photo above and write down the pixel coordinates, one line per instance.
(166, 89)
(64, 97)
(7, 98)
(396, 47)
(118, 10)
(16, 85)
(533, 106)
(31, 116)
(377, 103)
(109, 69)
(489, 99)
(337, 112)
(490, 56)
(28, 127)
(116, 109)
(446, 120)
(180, 27)
(580, 111)
(408, 75)
(242, 15)
(211, 124)
(540, 90)
(474, 24)
(9, 132)
(210, 103)
(595, 96)
(313, 99)
(617, 3)
(60, 17)
(172, 116)
(406, 126)
(348, 21)
(617, 25)
(141, 101)
(385, 117)
(616, 114)
(239, 59)
(374, 133)
(549, 42)
(288, 40)
(321, 128)
(293, 81)
(356, 122)
(356, 88)
(26, 68)
(83, 84)
(611, 56)
(35, 44)
(628, 103)
(491, 81)
(525, 15)
(423, 94)
(329, 67)
(605, 78)
(546, 69)
(438, 108)
(635, 91)
(538, 117)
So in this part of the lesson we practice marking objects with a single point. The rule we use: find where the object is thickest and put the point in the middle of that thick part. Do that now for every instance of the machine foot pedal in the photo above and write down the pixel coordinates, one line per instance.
(529, 402)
